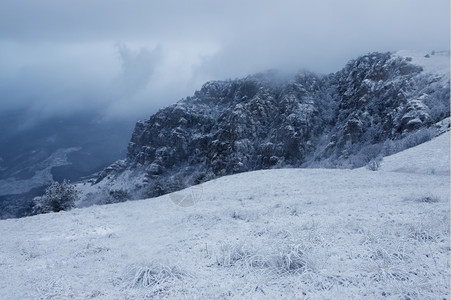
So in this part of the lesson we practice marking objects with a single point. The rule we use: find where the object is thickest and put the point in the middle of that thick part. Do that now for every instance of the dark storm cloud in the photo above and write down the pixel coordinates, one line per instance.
(131, 57)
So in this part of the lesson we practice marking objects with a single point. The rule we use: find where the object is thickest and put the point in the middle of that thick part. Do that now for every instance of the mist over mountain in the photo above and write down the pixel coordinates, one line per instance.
(376, 105)
(204, 149)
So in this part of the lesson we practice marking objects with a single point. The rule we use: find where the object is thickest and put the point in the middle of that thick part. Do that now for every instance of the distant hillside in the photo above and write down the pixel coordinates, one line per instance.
(35, 152)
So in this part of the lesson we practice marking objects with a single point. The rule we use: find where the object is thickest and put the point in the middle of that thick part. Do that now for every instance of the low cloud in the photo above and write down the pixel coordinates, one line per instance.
(137, 68)
(127, 59)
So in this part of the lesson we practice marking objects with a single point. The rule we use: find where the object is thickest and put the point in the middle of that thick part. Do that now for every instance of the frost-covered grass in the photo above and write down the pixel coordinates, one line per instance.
(291, 233)
(431, 157)
(155, 279)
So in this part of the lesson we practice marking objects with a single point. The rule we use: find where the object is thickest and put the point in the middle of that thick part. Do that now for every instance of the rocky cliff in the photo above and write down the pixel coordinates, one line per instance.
(268, 121)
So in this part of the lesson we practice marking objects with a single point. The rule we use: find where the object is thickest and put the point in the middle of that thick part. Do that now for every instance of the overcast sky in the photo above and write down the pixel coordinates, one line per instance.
(129, 58)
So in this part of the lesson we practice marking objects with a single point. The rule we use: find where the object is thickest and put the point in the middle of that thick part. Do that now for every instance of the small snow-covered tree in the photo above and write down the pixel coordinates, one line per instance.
(57, 197)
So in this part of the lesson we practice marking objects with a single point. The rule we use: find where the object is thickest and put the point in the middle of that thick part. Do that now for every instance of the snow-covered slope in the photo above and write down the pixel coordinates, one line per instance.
(436, 63)
(428, 158)
(288, 233)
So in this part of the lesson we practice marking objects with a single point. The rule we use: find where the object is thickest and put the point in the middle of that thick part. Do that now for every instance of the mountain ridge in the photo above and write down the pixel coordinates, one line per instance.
(343, 119)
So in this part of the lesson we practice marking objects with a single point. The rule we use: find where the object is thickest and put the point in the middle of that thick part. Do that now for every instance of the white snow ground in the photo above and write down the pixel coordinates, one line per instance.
(290, 233)
(428, 158)
(437, 64)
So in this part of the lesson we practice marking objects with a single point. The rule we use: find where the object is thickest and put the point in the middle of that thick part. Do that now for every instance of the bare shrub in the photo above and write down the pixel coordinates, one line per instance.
(374, 164)
(153, 275)
(290, 260)
(424, 232)
(427, 199)
(244, 215)
(117, 196)
(411, 140)
(230, 255)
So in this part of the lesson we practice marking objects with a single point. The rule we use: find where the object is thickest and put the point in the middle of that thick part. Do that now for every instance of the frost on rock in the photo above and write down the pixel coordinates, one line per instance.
(416, 115)
(268, 121)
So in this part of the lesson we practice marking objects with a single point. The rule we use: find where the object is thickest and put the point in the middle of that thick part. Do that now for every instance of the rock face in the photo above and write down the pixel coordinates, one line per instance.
(264, 121)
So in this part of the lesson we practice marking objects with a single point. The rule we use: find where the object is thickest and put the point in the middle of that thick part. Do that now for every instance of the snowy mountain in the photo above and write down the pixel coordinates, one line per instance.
(269, 234)
(379, 104)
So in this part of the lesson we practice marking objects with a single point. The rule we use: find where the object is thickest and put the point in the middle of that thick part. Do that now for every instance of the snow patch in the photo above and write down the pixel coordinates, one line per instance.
(437, 63)
(432, 157)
